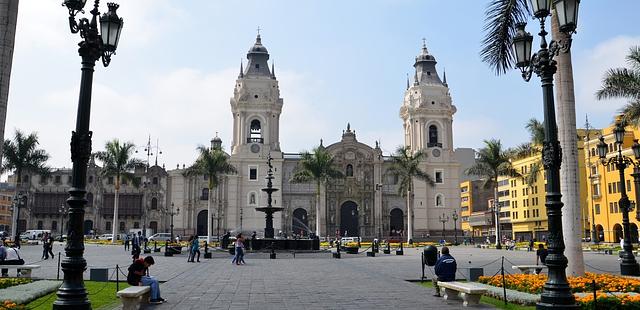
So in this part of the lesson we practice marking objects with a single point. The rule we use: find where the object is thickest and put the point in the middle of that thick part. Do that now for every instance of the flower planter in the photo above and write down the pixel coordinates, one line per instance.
(351, 250)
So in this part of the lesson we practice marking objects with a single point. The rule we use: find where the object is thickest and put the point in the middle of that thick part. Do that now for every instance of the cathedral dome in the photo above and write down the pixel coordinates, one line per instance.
(257, 47)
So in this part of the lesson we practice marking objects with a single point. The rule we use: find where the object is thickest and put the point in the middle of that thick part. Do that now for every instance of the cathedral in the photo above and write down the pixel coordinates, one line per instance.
(365, 202)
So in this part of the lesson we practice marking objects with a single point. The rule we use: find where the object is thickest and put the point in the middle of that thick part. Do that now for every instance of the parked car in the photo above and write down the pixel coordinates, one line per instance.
(34, 234)
(160, 237)
(105, 237)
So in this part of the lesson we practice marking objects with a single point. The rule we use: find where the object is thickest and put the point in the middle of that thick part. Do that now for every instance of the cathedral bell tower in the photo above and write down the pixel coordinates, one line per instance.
(256, 105)
(427, 117)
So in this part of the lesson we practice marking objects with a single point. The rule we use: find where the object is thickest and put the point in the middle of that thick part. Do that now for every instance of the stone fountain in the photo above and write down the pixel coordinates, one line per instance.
(269, 241)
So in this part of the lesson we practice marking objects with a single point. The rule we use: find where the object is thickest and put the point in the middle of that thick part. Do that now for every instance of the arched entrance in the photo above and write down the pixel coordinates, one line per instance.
(201, 223)
(396, 222)
(633, 228)
(88, 227)
(300, 224)
(153, 225)
(600, 233)
(617, 233)
(349, 226)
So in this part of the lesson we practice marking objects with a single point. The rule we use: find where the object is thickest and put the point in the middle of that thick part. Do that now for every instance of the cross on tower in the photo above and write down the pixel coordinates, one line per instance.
(258, 30)
(424, 42)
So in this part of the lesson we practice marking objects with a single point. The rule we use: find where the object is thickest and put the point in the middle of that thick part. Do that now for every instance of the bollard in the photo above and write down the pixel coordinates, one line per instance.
(58, 276)
(207, 254)
(273, 253)
(387, 250)
(117, 278)
(401, 250)
(166, 249)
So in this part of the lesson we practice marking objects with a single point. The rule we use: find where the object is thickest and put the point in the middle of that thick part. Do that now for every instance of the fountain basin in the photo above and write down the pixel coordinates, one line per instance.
(285, 244)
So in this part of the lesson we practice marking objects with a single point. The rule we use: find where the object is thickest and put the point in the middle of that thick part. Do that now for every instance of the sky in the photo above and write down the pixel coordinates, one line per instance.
(336, 61)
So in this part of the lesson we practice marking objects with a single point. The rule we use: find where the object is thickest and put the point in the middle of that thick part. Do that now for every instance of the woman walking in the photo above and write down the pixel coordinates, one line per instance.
(194, 245)
(239, 257)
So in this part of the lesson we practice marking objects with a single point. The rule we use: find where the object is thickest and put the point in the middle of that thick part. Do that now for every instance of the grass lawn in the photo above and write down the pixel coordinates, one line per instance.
(100, 294)
(499, 304)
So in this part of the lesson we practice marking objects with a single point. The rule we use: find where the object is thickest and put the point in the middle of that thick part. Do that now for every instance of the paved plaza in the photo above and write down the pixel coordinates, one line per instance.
(308, 281)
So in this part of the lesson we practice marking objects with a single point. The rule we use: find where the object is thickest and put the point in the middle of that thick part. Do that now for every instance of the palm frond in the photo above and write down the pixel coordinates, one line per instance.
(536, 131)
(631, 113)
(501, 17)
(634, 58)
(620, 83)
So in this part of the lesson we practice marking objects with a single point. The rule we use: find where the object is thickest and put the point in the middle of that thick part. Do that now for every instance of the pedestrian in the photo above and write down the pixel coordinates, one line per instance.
(541, 254)
(127, 239)
(45, 246)
(239, 245)
(254, 236)
(139, 276)
(445, 269)
(16, 241)
(530, 245)
(135, 246)
(194, 245)
(50, 245)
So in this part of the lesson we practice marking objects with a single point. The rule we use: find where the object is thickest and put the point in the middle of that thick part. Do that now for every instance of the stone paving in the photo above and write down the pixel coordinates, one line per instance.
(308, 281)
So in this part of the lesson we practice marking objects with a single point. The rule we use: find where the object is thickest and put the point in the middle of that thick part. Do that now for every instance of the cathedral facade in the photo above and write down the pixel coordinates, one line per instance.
(365, 202)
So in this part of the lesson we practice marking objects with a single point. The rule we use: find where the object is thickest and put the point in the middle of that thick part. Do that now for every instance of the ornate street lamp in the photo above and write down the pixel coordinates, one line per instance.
(172, 213)
(636, 175)
(19, 201)
(443, 218)
(63, 212)
(454, 217)
(628, 264)
(556, 292)
(94, 45)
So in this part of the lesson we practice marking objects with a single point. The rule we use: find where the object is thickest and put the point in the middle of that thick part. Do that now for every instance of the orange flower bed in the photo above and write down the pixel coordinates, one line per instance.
(533, 284)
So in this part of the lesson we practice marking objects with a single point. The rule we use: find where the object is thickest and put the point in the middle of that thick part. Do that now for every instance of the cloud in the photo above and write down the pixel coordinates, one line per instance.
(590, 66)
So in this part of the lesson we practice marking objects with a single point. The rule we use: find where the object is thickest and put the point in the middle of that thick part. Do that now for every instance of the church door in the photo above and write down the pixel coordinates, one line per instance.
(349, 226)
(300, 223)
(396, 222)
(201, 226)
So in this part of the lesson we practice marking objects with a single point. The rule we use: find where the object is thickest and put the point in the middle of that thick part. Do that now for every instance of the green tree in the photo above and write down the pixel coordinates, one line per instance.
(492, 162)
(212, 162)
(317, 167)
(118, 163)
(625, 83)
(21, 155)
(406, 166)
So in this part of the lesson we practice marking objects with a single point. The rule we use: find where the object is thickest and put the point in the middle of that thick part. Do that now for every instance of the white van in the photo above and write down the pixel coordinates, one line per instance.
(34, 234)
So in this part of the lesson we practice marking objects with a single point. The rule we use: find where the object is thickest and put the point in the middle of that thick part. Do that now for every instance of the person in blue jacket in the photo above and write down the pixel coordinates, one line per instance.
(445, 268)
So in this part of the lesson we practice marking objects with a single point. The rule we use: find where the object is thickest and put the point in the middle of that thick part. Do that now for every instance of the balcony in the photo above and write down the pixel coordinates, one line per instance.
(434, 144)
(255, 140)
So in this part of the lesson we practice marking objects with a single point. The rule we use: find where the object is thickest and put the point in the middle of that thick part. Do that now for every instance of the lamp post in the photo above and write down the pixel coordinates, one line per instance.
(96, 44)
(556, 293)
(454, 217)
(443, 218)
(63, 212)
(172, 213)
(628, 264)
(19, 201)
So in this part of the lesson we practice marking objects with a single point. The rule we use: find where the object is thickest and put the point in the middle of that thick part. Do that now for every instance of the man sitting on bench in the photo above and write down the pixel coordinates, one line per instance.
(9, 256)
(138, 276)
(445, 269)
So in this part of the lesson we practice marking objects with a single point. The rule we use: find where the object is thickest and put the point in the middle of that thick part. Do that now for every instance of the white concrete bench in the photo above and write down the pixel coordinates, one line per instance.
(526, 269)
(134, 296)
(470, 293)
(24, 271)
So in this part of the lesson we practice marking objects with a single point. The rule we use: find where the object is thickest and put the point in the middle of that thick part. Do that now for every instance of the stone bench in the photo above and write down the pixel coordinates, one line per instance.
(470, 293)
(134, 296)
(24, 271)
(526, 269)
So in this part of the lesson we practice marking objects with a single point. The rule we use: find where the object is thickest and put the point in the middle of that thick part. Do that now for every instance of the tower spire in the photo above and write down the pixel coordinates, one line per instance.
(444, 77)
(241, 69)
(407, 80)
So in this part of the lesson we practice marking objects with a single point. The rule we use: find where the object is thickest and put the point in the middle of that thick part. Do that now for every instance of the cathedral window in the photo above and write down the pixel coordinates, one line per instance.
(253, 173)
(349, 171)
(255, 132)
(154, 203)
(439, 201)
(438, 177)
(252, 198)
(154, 181)
(205, 194)
(433, 137)
(257, 66)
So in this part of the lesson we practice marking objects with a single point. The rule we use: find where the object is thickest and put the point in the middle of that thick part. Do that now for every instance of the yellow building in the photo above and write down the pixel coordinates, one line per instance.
(605, 186)
(476, 220)
(527, 203)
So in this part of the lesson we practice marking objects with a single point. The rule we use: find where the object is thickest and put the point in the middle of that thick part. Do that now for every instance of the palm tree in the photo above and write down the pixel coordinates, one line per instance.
(500, 27)
(317, 167)
(118, 163)
(212, 162)
(22, 155)
(492, 162)
(406, 166)
(9, 11)
(625, 83)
